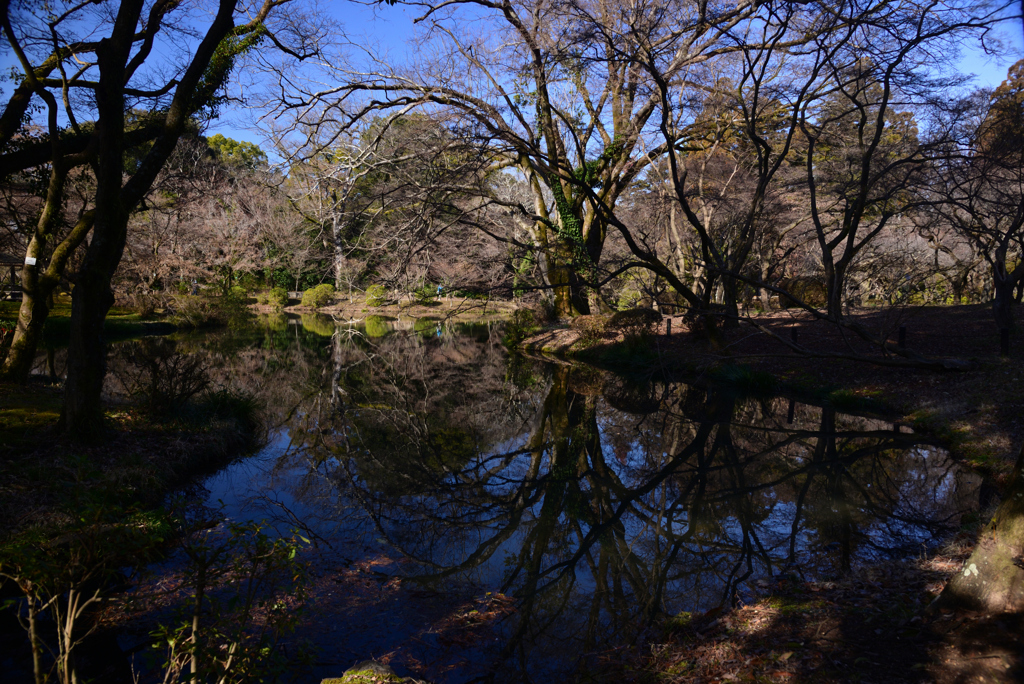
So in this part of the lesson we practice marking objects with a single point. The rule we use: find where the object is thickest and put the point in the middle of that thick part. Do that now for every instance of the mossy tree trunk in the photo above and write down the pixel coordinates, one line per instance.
(38, 284)
(992, 579)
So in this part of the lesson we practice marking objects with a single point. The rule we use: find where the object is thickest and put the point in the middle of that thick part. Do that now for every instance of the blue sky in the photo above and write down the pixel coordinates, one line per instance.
(390, 27)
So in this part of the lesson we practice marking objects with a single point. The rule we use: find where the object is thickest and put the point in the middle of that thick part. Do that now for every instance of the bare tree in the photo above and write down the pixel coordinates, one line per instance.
(983, 189)
(100, 81)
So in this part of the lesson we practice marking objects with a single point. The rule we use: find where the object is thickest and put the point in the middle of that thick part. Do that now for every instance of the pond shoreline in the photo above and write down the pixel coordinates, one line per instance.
(703, 646)
(974, 413)
(51, 485)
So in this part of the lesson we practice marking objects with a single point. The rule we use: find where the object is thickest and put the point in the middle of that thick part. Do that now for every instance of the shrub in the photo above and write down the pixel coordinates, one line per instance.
(806, 288)
(591, 329)
(521, 325)
(376, 295)
(635, 324)
(425, 295)
(318, 296)
(276, 297)
(145, 305)
(198, 312)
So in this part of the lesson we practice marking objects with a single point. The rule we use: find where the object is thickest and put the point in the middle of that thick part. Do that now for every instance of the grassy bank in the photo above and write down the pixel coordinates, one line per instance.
(120, 324)
(77, 520)
(46, 478)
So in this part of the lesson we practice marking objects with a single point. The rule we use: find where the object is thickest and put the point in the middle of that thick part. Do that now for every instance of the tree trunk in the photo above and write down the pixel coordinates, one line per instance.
(29, 330)
(992, 579)
(835, 282)
(730, 298)
(82, 414)
(38, 284)
(1003, 282)
(1002, 303)
(569, 289)
(766, 302)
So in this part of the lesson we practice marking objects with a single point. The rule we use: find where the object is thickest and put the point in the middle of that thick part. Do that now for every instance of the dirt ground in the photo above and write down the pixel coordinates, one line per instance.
(871, 626)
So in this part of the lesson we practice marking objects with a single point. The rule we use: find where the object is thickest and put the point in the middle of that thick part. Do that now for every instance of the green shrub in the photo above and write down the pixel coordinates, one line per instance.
(425, 295)
(276, 297)
(521, 325)
(376, 295)
(318, 296)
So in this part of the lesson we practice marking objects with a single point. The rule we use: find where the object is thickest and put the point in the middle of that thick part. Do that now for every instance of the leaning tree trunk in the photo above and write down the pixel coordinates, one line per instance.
(992, 579)
(38, 284)
(31, 319)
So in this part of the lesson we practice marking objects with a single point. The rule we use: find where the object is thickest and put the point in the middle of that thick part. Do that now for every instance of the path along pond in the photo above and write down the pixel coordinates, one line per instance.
(475, 515)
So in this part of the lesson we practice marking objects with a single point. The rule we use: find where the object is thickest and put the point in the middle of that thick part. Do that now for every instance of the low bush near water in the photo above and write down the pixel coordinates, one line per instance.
(521, 325)
(376, 295)
(316, 297)
(591, 329)
(276, 297)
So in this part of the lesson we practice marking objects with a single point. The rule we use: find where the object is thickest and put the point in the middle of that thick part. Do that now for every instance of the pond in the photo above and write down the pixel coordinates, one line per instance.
(475, 515)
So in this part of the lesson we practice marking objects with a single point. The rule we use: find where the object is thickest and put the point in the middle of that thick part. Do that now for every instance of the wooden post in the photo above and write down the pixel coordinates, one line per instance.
(668, 327)
(1004, 342)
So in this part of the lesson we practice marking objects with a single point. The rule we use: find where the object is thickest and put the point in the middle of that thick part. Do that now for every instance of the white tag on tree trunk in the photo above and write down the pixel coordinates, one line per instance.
(30, 261)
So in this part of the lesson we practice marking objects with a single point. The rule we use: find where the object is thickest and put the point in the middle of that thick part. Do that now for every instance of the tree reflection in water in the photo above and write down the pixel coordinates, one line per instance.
(597, 501)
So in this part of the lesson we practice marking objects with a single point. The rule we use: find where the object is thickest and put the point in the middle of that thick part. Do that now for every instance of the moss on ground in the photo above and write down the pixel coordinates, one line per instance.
(45, 478)
(120, 324)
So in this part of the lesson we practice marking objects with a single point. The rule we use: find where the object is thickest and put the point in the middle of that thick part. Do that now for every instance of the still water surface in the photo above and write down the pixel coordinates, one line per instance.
(568, 506)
